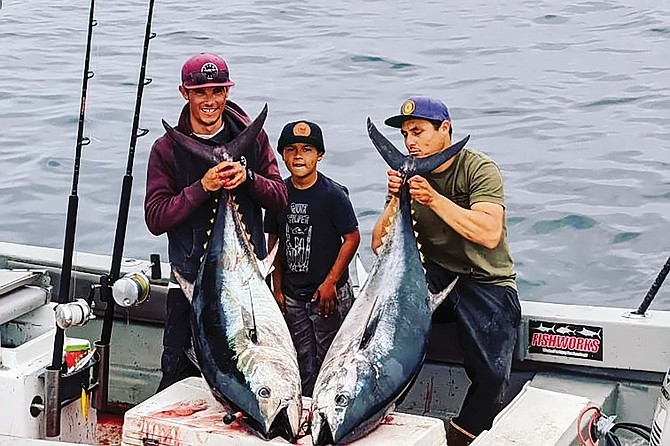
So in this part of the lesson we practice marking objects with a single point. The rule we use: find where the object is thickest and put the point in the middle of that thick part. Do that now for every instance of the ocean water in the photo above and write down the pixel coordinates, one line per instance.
(571, 99)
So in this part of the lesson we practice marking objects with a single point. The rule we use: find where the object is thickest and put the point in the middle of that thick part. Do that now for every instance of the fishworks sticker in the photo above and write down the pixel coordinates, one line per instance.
(558, 339)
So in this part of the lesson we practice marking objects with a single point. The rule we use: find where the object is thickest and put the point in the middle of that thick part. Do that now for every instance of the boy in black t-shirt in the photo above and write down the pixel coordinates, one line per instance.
(318, 236)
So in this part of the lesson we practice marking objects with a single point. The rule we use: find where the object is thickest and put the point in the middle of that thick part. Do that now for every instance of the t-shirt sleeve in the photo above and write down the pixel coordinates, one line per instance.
(270, 224)
(486, 185)
(344, 215)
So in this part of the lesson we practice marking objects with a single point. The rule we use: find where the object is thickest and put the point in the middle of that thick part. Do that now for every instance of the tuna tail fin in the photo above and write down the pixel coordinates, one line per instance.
(230, 151)
(386, 149)
(246, 138)
(197, 148)
(185, 285)
(426, 165)
(437, 299)
(405, 163)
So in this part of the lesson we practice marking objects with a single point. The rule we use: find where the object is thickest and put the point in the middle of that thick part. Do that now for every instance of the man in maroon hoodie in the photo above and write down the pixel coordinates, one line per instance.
(181, 192)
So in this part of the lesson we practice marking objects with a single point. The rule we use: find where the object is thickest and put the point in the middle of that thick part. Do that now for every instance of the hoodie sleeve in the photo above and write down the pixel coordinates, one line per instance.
(165, 207)
(268, 189)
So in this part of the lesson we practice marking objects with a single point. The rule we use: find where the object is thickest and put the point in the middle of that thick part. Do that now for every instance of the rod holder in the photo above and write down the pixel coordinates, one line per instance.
(52, 405)
(156, 272)
(101, 392)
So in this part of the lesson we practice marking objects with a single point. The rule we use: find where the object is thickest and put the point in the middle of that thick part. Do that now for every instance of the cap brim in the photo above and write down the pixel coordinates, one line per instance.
(303, 139)
(396, 121)
(212, 84)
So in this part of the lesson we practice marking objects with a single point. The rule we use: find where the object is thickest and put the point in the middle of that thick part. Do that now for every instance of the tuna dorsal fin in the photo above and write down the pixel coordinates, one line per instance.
(186, 286)
(437, 299)
(405, 163)
(214, 155)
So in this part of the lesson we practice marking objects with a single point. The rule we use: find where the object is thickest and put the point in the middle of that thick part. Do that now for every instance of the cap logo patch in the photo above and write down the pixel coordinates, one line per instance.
(302, 129)
(210, 71)
(408, 107)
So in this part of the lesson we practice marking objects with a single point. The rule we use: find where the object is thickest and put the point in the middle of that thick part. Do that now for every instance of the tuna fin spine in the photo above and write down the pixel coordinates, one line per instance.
(437, 299)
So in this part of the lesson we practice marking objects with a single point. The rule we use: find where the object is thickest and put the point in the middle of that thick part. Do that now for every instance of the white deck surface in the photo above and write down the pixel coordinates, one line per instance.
(187, 414)
(533, 415)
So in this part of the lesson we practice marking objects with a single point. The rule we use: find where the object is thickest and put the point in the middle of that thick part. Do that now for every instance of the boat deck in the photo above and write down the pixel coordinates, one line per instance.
(109, 429)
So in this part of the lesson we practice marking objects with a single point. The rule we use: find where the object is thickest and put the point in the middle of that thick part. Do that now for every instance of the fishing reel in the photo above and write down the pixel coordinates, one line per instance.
(133, 288)
(73, 314)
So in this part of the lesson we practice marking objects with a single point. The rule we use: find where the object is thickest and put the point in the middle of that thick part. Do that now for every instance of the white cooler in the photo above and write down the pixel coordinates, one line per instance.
(186, 414)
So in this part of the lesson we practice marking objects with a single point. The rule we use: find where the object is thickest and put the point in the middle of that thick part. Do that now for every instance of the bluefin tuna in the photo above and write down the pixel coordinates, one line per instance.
(241, 341)
(381, 345)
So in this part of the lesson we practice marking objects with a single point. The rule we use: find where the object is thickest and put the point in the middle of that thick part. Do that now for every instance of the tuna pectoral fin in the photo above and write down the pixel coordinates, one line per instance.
(190, 354)
(370, 328)
(437, 299)
(267, 264)
(186, 286)
(361, 273)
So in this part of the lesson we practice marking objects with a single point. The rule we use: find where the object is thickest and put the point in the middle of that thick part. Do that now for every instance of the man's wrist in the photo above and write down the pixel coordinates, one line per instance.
(330, 281)
(204, 188)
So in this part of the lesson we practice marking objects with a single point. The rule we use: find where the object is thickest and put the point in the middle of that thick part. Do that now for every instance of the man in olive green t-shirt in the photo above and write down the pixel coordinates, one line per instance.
(459, 210)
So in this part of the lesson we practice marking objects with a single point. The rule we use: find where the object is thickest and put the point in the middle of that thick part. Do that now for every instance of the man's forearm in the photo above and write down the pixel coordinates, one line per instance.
(481, 225)
(379, 229)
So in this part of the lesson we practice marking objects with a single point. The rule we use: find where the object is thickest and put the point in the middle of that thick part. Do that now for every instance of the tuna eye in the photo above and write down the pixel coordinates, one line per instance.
(341, 399)
(264, 392)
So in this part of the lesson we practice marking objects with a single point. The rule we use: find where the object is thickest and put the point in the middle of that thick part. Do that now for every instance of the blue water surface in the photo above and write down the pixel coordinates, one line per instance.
(571, 100)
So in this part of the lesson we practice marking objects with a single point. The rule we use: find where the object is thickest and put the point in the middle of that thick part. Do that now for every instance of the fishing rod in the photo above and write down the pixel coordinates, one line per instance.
(107, 281)
(642, 309)
(53, 372)
(73, 200)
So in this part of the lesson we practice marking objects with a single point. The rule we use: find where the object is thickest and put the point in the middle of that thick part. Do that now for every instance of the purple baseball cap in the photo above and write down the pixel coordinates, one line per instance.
(205, 70)
(420, 107)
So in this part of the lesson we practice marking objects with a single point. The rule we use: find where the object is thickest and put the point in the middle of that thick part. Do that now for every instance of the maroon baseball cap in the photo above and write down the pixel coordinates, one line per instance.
(205, 70)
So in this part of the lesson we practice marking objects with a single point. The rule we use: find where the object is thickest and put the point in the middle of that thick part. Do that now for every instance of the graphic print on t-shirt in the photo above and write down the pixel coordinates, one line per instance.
(298, 238)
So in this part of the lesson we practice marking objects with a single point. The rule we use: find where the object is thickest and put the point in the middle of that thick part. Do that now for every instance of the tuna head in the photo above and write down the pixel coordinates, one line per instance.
(278, 401)
(332, 406)
(351, 400)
